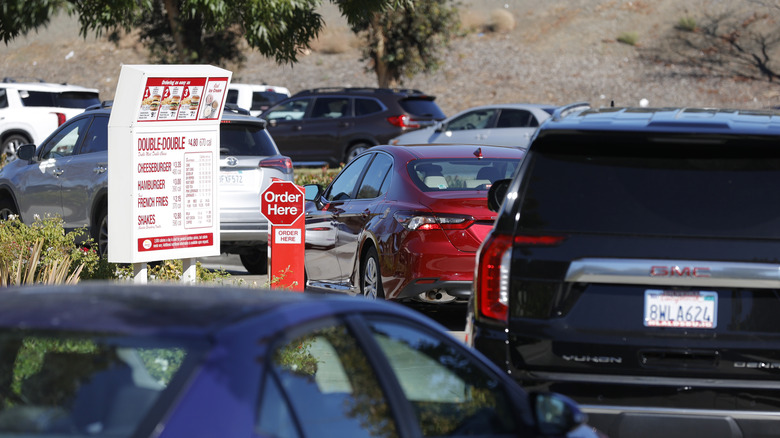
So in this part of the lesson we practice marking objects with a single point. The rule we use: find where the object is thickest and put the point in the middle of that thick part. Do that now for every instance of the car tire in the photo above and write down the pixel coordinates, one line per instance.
(11, 144)
(7, 209)
(100, 233)
(370, 276)
(255, 262)
(355, 150)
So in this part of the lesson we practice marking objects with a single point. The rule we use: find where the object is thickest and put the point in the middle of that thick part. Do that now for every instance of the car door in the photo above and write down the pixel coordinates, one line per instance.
(356, 213)
(41, 181)
(513, 127)
(471, 127)
(285, 124)
(320, 136)
(323, 228)
(85, 174)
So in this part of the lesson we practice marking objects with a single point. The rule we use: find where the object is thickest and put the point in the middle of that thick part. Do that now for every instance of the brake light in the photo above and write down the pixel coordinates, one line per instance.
(491, 277)
(403, 121)
(60, 118)
(283, 164)
(424, 222)
(539, 240)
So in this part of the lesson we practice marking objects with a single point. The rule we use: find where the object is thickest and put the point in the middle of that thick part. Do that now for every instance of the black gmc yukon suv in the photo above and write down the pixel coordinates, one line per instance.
(635, 267)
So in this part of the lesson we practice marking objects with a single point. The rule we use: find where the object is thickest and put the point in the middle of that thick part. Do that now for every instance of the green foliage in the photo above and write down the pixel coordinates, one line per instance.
(296, 357)
(30, 356)
(407, 40)
(687, 24)
(629, 38)
(322, 176)
(172, 270)
(194, 31)
(162, 363)
(43, 253)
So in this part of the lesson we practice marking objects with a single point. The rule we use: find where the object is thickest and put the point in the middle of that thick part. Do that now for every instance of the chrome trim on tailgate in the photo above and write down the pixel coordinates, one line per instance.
(696, 273)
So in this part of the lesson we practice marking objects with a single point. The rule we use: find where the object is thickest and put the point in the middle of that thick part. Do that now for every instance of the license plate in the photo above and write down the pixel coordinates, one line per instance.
(231, 179)
(684, 309)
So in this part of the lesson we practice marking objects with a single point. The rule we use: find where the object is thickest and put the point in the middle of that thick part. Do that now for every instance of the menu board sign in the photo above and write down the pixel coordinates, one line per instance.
(164, 163)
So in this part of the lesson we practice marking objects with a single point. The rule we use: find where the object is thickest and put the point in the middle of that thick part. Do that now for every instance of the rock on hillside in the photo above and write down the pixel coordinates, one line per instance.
(559, 51)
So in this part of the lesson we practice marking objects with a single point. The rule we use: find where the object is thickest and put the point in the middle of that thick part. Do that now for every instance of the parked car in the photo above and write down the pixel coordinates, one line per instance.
(333, 125)
(30, 111)
(174, 361)
(255, 98)
(633, 266)
(510, 124)
(404, 222)
(67, 176)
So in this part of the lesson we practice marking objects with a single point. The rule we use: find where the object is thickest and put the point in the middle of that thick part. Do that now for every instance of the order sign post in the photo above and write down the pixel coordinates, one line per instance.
(282, 204)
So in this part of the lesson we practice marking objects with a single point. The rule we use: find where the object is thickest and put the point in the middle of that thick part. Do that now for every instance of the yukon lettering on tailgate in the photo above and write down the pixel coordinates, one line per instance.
(593, 359)
(677, 271)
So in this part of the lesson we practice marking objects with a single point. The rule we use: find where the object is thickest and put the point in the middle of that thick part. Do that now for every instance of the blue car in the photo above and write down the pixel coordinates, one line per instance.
(182, 361)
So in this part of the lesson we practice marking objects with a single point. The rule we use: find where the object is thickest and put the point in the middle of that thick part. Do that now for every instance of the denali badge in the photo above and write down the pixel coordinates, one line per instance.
(677, 271)
(765, 365)
(593, 359)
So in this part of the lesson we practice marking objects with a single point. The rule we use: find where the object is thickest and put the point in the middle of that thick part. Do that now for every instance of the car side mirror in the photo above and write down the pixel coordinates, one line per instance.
(312, 192)
(556, 414)
(441, 127)
(25, 152)
(497, 193)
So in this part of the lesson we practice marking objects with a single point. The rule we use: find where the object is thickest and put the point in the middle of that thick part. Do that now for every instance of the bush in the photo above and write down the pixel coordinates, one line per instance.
(687, 24)
(629, 38)
(322, 176)
(43, 253)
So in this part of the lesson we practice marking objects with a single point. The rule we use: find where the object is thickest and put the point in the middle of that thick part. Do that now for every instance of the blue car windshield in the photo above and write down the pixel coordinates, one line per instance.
(57, 384)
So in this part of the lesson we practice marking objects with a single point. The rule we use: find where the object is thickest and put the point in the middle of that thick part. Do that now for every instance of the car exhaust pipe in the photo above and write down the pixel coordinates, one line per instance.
(436, 296)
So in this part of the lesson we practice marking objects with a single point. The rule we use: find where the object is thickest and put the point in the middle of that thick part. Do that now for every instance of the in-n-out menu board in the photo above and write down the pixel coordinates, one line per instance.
(163, 162)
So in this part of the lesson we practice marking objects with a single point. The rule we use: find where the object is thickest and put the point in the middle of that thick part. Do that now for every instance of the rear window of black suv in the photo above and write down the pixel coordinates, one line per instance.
(425, 107)
(643, 183)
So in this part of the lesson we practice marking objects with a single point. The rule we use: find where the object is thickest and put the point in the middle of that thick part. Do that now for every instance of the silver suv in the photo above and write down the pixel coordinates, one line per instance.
(67, 176)
(30, 111)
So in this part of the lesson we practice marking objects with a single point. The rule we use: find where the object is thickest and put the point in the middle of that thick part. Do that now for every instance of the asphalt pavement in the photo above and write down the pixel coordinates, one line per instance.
(453, 317)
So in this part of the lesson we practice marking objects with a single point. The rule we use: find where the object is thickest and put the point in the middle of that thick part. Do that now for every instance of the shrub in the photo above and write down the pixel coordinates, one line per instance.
(43, 253)
(687, 24)
(322, 176)
(629, 38)
(501, 21)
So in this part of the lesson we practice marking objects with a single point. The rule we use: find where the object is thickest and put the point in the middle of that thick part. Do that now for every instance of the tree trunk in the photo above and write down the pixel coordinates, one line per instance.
(172, 10)
(380, 66)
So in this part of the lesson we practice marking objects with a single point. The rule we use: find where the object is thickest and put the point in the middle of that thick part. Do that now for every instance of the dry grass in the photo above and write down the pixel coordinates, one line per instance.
(335, 40)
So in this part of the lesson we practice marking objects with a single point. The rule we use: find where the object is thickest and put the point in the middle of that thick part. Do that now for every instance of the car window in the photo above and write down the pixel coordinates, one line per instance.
(264, 99)
(245, 139)
(330, 107)
(323, 379)
(291, 110)
(64, 143)
(460, 173)
(451, 393)
(422, 107)
(364, 107)
(96, 139)
(3, 98)
(344, 185)
(514, 118)
(36, 98)
(373, 182)
(57, 384)
(76, 99)
(478, 119)
(232, 97)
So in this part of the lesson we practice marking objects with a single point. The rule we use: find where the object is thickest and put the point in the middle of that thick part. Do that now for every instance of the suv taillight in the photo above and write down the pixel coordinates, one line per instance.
(403, 121)
(60, 118)
(492, 277)
(492, 274)
(283, 164)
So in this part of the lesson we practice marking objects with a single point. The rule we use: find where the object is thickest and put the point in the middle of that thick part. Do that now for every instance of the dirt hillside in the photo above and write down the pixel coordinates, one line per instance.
(551, 51)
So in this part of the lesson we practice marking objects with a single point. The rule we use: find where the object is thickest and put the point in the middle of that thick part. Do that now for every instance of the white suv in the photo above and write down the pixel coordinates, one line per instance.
(30, 111)
(256, 98)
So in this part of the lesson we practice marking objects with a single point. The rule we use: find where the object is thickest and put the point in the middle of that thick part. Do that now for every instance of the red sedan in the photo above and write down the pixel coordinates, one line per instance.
(404, 222)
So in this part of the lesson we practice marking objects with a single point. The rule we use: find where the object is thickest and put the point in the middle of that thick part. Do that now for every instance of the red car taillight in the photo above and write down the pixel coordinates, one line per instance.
(283, 164)
(60, 118)
(491, 277)
(414, 221)
(403, 121)
(492, 274)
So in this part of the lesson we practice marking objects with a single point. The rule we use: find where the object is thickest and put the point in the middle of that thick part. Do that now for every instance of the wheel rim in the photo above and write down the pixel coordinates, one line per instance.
(102, 239)
(9, 149)
(370, 278)
(6, 213)
(354, 152)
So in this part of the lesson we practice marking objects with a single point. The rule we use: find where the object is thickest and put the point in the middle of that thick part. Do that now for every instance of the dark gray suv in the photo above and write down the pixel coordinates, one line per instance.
(635, 267)
(67, 176)
(333, 125)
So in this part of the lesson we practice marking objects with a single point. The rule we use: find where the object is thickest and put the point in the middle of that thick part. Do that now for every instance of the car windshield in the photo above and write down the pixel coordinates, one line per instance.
(74, 385)
(245, 139)
(458, 174)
